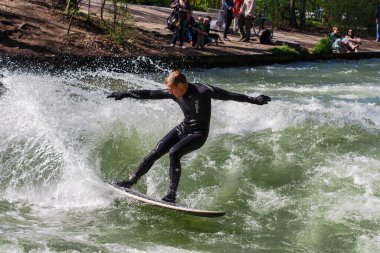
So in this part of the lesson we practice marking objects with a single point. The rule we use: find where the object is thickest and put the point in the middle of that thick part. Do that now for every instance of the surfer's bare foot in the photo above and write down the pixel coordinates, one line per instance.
(170, 196)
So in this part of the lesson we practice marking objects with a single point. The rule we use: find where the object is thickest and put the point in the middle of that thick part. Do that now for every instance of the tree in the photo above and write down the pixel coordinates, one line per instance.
(114, 14)
(72, 12)
(102, 9)
(302, 14)
(293, 17)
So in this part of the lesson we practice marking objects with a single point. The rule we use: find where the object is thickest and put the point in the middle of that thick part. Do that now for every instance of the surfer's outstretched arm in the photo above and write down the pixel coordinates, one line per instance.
(141, 94)
(218, 93)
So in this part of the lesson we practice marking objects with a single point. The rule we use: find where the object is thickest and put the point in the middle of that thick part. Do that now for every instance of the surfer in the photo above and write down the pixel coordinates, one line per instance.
(195, 101)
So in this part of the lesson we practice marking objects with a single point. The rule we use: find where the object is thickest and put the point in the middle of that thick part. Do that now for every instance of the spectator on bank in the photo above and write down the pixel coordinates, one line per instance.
(378, 23)
(334, 35)
(236, 13)
(182, 7)
(189, 28)
(353, 41)
(338, 44)
(206, 24)
(201, 32)
(246, 19)
(228, 6)
(198, 33)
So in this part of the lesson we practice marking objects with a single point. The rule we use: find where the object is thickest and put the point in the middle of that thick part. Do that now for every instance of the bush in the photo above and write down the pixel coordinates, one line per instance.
(285, 50)
(324, 46)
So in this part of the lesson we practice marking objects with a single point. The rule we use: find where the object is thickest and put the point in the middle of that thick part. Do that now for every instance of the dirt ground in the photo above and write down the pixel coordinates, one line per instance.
(38, 27)
(30, 27)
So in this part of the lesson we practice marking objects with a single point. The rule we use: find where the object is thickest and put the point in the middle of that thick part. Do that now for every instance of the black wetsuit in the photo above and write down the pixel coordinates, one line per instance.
(190, 134)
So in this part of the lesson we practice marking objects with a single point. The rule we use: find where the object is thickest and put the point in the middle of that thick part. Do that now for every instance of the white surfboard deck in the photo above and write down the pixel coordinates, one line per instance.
(149, 200)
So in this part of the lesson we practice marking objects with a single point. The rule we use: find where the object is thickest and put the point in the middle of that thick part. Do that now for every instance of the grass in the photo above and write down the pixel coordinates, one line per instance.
(285, 50)
(324, 46)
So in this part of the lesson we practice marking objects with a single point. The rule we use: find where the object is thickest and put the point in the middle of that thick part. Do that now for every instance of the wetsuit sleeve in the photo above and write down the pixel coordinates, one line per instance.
(218, 93)
(142, 94)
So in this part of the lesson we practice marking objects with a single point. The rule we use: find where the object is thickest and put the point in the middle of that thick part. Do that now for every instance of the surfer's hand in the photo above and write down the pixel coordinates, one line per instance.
(116, 95)
(261, 100)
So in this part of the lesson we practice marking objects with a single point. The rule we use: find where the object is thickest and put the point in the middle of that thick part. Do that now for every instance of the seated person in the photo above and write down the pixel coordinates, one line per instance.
(206, 26)
(352, 40)
(338, 44)
(199, 33)
(334, 35)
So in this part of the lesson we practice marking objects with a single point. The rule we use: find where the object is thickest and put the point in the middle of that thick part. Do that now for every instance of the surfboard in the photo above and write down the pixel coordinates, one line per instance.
(160, 203)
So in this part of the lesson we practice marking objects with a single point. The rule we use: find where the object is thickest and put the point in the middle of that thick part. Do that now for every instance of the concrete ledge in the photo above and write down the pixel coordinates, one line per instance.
(57, 64)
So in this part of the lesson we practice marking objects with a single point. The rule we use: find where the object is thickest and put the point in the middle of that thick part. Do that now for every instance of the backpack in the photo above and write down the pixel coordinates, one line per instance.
(173, 21)
(265, 37)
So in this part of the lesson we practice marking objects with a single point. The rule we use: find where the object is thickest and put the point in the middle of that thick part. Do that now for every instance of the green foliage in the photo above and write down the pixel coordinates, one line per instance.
(122, 32)
(285, 50)
(72, 7)
(356, 14)
(206, 4)
(324, 46)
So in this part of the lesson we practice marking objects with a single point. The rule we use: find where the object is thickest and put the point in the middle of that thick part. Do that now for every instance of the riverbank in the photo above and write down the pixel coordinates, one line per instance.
(34, 33)
(141, 64)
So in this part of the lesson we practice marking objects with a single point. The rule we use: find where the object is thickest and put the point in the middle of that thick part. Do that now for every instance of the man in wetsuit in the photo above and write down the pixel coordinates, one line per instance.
(195, 102)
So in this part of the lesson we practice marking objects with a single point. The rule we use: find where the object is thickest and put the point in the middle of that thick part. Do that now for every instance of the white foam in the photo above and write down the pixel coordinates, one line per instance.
(358, 198)
(155, 249)
(368, 244)
(267, 201)
(47, 120)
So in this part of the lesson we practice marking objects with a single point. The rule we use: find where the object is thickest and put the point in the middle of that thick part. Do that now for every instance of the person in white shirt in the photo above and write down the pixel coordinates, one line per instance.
(246, 18)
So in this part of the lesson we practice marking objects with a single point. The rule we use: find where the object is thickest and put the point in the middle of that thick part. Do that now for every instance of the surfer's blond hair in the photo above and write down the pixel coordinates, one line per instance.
(175, 78)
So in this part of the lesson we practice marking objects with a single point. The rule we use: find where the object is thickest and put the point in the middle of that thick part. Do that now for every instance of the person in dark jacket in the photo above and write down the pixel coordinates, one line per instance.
(183, 7)
(194, 100)
(228, 7)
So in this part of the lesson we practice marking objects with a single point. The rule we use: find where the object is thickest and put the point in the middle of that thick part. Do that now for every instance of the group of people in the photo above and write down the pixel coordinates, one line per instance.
(188, 29)
(243, 11)
(346, 44)
(197, 32)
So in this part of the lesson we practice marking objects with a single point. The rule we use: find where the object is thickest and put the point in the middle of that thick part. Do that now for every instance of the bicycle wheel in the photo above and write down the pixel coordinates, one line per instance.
(256, 27)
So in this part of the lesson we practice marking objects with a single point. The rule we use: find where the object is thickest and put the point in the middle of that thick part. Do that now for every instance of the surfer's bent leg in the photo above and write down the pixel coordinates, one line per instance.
(161, 149)
(188, 144)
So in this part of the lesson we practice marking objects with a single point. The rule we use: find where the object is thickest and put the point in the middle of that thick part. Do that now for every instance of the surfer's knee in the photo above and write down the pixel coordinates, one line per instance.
(155, 153)
(174, 154)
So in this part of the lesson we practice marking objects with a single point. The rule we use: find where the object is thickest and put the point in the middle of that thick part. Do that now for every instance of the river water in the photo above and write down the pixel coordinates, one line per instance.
(301, 174)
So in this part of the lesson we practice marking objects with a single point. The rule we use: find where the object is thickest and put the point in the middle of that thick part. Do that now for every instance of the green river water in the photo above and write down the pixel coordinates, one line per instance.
(301, 174)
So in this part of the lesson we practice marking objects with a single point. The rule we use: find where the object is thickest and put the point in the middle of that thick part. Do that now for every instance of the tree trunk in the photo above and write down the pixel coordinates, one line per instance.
(102, 9)
(89, 7)
(293, 18)
(114, 14)
(72, 15)
(70, 23)
(72, 4)
(68, 7)
(302, 14)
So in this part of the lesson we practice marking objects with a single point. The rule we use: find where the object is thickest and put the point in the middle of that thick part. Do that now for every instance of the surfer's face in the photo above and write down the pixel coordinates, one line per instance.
(177, 90)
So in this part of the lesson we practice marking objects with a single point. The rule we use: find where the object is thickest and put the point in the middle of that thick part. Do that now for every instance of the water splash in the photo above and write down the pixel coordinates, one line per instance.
(299, 174)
